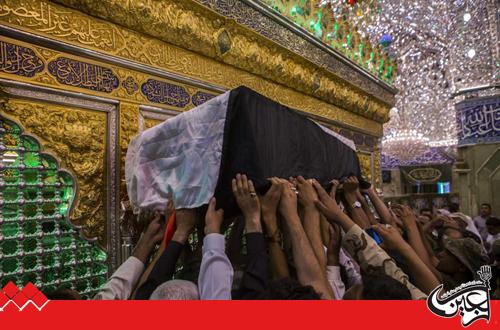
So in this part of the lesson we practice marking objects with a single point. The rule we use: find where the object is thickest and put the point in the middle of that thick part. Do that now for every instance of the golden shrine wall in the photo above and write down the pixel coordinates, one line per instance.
(86, 86)
(78, 138)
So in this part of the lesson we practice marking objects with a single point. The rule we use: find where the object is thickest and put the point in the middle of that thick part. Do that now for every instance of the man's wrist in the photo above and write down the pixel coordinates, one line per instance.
(142, 252)
(332, 260)
(344, 221)
(211, 229)
(270, 223)
(351, 198)
(404, 249)
(269, 212)
(253, 227)
(411, 226)
(180, 236)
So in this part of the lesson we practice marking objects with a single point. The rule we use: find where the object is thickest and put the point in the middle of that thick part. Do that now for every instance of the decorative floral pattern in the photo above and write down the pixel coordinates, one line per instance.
(130, 85)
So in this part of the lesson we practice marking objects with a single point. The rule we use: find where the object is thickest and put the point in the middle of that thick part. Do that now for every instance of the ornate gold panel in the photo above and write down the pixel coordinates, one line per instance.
(189, 25)
(48, 19)
(129, 127)
(376, 168)
(148, 123)
(365, 163)
(78, 138)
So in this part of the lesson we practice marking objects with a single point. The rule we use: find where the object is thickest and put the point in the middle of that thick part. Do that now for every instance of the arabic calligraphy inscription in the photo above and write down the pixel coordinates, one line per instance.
(84, 75)
(19, 60)
(479, 121)
(165, 93)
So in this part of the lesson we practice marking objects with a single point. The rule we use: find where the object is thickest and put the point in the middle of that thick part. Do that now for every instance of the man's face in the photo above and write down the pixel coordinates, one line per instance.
(493, 230)
(485, 211)
(448, 263)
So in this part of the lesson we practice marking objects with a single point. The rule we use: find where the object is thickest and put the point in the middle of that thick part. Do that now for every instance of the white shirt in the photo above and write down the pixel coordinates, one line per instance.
(490, 239)
(480, 223)
(216, 272)
(122, 282)
(334, 278)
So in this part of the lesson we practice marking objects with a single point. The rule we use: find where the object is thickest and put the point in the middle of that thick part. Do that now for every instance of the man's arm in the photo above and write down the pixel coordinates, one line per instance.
(216, 272)
(423, 276)
(382, 210)
(351, 186)
(164, 268)
(360, 245)
(366, 208)
(269, 204)
(254, 281)
(309, 271)
(312, 218)
(414, 238)
(169, 210)
(122, 282)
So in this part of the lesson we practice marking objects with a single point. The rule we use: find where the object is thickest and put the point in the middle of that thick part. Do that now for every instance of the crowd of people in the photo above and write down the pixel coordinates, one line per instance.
(303, 242)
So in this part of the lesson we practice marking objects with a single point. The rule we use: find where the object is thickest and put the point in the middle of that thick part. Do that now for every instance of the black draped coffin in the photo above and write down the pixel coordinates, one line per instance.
(240, 131)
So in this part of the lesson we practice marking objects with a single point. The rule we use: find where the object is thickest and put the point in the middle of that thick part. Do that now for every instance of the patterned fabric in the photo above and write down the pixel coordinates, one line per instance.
(468, 252)
(369, 255)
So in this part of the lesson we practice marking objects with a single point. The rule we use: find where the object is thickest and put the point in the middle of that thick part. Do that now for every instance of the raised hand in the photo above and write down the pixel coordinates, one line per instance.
(288, 201)
(270, 201)
(248, 202)
(246, 197)
(351, 185)
(405, 214)
(325, 204)
(333, 245)
(154, 232)
(213, 218)
(269, 204)
(367, 190)
(333, 190)
(153, 235)
(307, 194)
(293, 181)
(393, 241)
(185, 221)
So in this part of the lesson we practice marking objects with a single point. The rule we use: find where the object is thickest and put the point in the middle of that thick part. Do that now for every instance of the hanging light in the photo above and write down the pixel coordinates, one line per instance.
(405, 144)
(467, 17)
(471, 53)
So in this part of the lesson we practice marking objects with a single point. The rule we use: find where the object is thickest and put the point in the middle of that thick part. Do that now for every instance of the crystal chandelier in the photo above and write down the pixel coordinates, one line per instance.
(441, 46)
(403, 141)
(405, 144)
